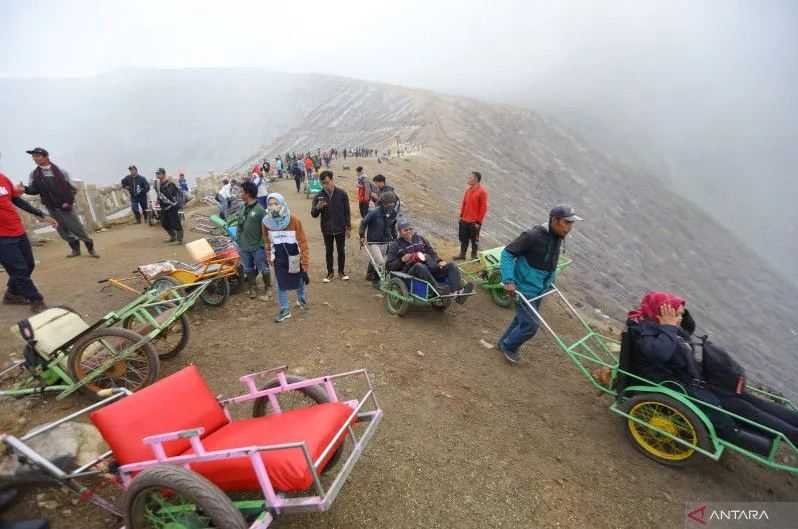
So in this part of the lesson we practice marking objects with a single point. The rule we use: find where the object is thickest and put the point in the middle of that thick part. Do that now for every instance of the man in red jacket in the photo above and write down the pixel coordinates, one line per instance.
(16, 255)
(472, 214)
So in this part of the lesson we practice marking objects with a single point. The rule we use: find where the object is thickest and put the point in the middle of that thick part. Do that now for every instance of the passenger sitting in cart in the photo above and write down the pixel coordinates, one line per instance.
(377, 229)
(413, 254)
(661, 331)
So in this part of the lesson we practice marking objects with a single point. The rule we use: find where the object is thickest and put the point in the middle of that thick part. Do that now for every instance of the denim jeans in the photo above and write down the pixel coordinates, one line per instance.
(254, 260)
(523, 327)
(282, 295)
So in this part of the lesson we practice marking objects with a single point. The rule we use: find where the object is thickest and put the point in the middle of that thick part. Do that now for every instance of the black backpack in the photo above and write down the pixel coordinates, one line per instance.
(720, 370)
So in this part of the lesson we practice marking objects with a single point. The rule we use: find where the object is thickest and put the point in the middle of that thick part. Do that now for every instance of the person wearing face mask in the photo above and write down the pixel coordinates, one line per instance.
(288, 253)
(376, 230)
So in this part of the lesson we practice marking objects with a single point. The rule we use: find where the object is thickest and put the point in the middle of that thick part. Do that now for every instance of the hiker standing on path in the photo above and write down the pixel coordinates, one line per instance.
(289, 255)
(364, 189)
(182, 184)
(250, 241)
(529, 266)
(472, 213)
(16, 254)
(169, 199)
(138, 187)
(332, 204)
(58, 195)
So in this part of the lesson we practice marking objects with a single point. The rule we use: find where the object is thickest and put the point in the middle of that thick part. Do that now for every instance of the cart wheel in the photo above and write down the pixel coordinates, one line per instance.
(139, 369)
(670, 415)
(498, 295)
(396, 297)
(292, 400)
(167, 496)
(162, 284)
(237, 281)
(170, 341)
(216, 294)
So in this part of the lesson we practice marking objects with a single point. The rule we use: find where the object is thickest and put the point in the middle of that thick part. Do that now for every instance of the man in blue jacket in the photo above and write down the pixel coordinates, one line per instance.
(529, 265)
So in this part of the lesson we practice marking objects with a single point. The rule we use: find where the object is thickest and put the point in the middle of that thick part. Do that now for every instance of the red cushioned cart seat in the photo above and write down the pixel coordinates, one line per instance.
(183, 401)
(178, 402)
(288, 469)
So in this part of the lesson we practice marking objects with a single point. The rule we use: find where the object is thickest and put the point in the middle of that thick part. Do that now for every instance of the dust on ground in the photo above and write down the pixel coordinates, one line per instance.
(467, 440)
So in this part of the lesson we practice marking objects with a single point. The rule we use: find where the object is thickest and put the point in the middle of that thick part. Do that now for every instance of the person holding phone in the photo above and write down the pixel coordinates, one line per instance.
(332, 206)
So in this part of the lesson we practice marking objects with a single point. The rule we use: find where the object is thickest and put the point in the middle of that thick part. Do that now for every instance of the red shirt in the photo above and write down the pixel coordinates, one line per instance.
(475, 204)
(10, 223)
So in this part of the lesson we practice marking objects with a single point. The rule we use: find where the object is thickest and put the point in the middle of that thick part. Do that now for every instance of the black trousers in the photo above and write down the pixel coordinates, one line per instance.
(16, 256)
(297, 180)
(340, 245)
(763, 411)
(364, 208)
(170, 220)
(468, 232)
(449, 273)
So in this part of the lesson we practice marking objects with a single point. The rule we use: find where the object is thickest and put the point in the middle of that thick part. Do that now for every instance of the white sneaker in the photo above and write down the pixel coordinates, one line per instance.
(344, 277)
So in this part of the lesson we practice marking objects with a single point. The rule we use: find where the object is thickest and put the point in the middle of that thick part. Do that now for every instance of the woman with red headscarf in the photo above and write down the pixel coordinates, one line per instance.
(661, 328)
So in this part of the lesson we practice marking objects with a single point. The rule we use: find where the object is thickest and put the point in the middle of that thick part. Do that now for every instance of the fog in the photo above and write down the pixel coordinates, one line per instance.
(698, 94)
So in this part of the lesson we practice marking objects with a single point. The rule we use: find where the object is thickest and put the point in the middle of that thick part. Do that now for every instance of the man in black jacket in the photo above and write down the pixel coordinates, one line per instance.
(169, 200)
(138, 187)
(332, 204)
(376, 230)
(58, 195)
(413, 254)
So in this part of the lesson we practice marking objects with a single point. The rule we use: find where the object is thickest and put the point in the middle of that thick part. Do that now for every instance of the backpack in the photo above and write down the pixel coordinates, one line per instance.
(720, 370)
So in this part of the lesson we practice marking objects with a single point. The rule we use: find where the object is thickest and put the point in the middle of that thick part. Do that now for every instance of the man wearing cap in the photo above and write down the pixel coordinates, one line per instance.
(58, 195)
(528, 266)
(376, 230)
(138, 187)
(413, 254)
(169, 200)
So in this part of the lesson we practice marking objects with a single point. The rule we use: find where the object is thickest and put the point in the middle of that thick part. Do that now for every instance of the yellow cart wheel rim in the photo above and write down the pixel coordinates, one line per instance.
(669, 419)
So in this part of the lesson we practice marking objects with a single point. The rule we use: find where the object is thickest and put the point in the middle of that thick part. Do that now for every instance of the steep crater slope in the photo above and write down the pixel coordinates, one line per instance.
(638, 236)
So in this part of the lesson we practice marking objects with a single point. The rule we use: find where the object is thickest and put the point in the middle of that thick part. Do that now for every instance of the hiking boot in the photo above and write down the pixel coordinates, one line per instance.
(75, 245)
(90, 248)
(328, 278)
(511, 357)
(464, 292)
(14, 299)
(459, 257)
(282, 316)
(37, 306)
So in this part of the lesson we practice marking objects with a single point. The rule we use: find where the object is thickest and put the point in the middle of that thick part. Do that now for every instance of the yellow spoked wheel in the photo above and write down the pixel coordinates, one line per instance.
(657, 414)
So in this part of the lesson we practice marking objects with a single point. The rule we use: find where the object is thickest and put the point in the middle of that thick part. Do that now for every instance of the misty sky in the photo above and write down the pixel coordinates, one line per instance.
(703, 88)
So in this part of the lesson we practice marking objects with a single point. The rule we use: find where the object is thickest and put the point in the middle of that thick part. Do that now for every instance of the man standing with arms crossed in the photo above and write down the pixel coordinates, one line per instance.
(472, 213)
(58, 196)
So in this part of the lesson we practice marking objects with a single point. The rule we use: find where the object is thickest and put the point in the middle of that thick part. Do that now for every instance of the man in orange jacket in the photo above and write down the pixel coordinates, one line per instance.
(472, 214)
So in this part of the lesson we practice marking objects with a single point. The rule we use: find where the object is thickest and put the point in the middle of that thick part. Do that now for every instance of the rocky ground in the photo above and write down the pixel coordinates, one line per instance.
(467, 440)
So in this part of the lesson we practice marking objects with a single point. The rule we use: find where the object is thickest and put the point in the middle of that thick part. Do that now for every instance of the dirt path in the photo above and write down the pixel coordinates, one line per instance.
(467, 441)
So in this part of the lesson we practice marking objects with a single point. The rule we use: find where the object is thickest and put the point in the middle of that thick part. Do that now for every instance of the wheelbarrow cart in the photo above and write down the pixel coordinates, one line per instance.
(661, 419)
(63, 354)
(196, 467)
